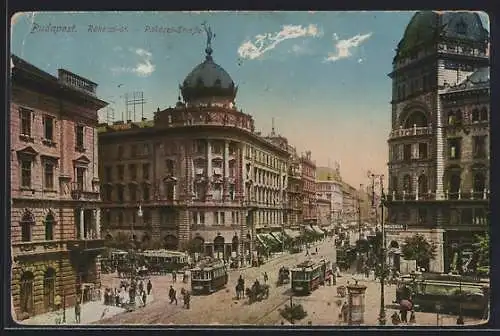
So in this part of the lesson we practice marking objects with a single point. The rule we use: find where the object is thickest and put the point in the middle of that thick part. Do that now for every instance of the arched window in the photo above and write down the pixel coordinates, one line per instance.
(407, 184)
(27, 222)
(49, 226)
(49, 288)
(422, 185)
(417, 118)
(219, 244)
(26, 295)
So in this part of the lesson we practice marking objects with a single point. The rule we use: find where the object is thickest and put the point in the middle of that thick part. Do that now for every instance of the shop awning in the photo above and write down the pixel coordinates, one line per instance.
(278, 236)
(309, 229)
(261, 241)
(318, 230)
(271, 239)
(294, 234)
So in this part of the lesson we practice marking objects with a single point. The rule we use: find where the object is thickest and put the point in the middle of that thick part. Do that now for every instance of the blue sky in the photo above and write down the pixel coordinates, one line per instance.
(321, 75)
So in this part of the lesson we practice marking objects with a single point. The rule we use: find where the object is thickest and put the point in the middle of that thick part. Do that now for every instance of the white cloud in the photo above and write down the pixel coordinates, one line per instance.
(265, 42)
(143, 68)
(360, 60)
(344, 47)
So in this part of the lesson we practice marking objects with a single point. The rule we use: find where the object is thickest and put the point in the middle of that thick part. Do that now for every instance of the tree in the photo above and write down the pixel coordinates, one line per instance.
(483, 249)
(419, 249)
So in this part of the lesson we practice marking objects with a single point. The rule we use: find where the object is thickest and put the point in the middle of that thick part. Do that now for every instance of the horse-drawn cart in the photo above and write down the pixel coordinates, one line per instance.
(257, 293)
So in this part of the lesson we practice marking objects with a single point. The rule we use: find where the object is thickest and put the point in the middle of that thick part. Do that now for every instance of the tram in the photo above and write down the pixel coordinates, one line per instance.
(164, 261)
(208, 277)
(310, 274)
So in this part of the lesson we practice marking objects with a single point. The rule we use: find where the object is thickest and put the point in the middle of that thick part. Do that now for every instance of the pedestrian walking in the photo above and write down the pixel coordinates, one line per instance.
(174, 276)
(144, 298)
(149, 287)
(141, 286)
(172, 294)
(78, 310)
(265, 277)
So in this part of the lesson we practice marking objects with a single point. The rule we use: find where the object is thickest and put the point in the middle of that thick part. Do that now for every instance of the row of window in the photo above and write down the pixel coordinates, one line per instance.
(28, 222)
(453, 183)
(479, 147)
(27, 116)
(132, 172)
(408, 152)
(264, 158)
(134, 150)
(415, 85)
(48, 176)
(201, 146)
(455, 117)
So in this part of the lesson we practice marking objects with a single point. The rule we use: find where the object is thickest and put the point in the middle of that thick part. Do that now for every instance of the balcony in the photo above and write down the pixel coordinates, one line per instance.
(407, 132)
(37, 247)
(78, 192)
(429, 196)
(86, 245)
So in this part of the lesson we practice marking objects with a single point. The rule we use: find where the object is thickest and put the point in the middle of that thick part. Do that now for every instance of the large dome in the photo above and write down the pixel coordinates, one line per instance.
(427, 26)
(208, 81)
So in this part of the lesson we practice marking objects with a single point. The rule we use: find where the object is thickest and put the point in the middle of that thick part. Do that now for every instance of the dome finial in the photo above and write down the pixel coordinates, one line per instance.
(210, 35)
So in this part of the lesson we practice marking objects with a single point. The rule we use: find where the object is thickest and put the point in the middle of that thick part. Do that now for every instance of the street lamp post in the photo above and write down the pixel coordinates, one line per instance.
(382, 317)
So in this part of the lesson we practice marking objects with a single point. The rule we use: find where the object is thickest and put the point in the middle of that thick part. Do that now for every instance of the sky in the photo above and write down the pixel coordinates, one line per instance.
(322, 76)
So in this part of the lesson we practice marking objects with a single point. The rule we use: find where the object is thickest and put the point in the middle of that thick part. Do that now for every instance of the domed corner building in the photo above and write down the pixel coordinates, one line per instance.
(205, 180)
(439, 142)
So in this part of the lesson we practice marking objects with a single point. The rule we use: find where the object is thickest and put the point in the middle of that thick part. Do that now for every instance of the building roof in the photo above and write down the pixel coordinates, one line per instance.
(427, 26)
(480, 79)
(327, 174)
(208, 80)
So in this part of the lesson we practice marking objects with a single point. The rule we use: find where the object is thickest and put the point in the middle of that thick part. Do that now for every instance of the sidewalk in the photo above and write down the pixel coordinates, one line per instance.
(91, 312)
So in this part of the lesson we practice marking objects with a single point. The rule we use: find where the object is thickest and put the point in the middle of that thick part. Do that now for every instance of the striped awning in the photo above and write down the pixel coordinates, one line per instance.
(278, 236)
(309, 229)
(271, 239)
(318, 230)
(261, 240)
(292, 233)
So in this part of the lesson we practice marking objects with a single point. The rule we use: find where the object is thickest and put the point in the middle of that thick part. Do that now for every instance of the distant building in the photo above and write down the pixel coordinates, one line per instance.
(439, 164)
(204, 180)
(309, 206)
(55, 216)
(329, 194)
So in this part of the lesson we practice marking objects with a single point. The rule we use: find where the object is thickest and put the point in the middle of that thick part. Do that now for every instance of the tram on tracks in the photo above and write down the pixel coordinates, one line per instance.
(208, 277)
(310, 274)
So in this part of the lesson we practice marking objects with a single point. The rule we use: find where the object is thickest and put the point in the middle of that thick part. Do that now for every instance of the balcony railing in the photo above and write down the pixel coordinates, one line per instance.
(37, 247)
(86, 245)
(78, 192)
(414, 131)
(460, 195)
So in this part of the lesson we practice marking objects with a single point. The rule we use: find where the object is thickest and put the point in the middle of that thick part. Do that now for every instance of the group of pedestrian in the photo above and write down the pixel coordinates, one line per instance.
(117, 296)
(186, 296)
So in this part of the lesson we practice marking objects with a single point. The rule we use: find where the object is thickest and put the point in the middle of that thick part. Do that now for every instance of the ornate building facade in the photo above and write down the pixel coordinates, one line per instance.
(55, 217)
(199, 172)
(309, 206)
(329, 193)
(439, 157)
